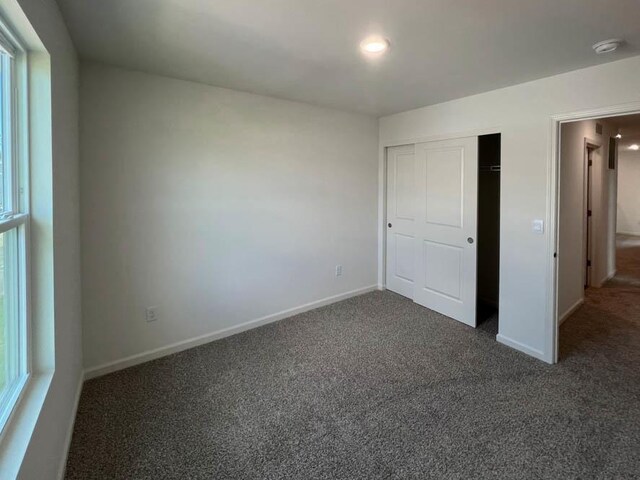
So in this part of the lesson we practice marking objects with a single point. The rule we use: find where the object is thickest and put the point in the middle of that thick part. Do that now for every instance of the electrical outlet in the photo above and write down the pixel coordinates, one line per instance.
(151, 314)
(338, 270)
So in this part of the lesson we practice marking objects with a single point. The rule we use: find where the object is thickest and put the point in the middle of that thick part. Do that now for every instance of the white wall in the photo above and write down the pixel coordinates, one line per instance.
(571, 250)
(523, 114)
(219, 207)
(629, 192)
(56, 315)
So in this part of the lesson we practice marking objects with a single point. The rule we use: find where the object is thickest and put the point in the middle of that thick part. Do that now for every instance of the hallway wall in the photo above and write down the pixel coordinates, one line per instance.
(571, 253)
(629, 192)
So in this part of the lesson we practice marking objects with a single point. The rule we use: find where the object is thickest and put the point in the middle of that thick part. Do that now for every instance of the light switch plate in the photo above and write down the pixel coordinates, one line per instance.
(537, 227)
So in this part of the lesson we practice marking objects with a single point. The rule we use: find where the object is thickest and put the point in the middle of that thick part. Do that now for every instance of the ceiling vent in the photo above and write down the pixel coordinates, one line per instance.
(607, 46)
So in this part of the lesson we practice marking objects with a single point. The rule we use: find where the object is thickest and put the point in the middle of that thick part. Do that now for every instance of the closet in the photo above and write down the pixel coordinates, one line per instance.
(488, 232)
(432, 220)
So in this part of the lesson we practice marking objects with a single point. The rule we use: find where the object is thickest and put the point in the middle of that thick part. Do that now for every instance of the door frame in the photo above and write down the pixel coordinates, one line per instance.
(382, 186)
(553, 201)
(590, 145)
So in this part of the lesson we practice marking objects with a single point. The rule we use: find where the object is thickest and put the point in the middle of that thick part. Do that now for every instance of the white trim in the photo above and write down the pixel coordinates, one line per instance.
(6, 46)
(553, 214)
(570, 311)
(630, 108)
(217, 335)
(436, 138)
(15, 217)
(589, 239)
(69, 435)
(19, 428)
(9, 41)
(631, 234)
(606, 279)
(553, 203)
(521, 347)
(382, 216)
(12, 222)
(10, 401)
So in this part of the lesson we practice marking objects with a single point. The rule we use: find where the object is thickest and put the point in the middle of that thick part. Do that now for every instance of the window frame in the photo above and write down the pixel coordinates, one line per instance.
(15, 219)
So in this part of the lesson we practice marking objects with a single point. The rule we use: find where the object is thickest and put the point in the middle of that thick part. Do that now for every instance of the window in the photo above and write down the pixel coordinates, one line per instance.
(14, 218)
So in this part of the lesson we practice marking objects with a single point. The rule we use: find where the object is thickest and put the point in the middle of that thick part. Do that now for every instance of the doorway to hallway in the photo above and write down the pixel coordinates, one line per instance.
(599, 234)
(608, 323)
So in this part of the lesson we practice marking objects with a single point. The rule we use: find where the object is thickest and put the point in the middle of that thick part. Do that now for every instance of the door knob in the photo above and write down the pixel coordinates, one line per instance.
(390, 225)
(470, 240)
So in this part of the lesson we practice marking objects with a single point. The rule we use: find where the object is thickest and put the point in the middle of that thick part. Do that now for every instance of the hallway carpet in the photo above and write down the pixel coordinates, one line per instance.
(375, 387)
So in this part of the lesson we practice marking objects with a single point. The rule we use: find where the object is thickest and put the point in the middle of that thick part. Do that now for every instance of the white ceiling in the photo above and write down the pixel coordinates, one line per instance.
(307, 50)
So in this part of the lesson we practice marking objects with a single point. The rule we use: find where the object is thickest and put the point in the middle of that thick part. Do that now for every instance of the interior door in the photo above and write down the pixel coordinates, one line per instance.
(445, 227)
(589, 218)
(401, 205)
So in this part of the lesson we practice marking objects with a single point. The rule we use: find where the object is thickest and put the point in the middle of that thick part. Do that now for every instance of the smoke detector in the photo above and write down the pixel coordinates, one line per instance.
(607, 46)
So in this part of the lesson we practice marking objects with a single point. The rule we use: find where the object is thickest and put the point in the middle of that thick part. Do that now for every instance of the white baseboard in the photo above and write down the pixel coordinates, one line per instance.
(509, 342)
(611, 275)
(136, 359)
(570, 311)
(604, 280)
(631, 234)
(67, 439)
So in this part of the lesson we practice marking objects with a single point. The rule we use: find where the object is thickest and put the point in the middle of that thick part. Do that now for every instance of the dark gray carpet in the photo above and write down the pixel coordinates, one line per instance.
(373, 387)
(487, 318)
(490, 325)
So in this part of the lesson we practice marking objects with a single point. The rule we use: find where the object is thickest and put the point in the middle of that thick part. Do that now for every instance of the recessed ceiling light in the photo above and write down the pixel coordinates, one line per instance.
(607, 46)
(374, 44)
(618, 136)
(634, 147)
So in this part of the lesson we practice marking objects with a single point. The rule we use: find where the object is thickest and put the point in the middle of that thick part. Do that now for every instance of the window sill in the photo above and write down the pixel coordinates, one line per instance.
(20, 425)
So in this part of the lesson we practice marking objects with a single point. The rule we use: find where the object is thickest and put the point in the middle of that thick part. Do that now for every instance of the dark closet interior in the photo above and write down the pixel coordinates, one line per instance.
(488, 232)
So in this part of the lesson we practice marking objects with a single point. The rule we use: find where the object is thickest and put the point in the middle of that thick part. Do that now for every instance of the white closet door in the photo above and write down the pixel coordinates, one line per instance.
(401, 207)
(445, 227)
